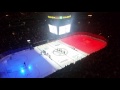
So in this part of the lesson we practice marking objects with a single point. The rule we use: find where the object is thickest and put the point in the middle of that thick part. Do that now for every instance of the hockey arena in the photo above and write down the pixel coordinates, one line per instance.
(46, 59)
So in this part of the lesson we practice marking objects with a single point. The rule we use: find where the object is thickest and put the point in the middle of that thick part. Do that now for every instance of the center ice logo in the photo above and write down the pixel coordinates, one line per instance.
(60, 51)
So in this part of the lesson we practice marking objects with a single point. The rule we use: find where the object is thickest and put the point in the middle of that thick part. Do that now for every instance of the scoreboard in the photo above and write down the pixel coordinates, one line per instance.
(60, 24)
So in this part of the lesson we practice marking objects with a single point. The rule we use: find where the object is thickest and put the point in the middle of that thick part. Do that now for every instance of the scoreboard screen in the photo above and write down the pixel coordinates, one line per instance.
(59, 25)
(53, 29)
(61, 30)
(64, 29)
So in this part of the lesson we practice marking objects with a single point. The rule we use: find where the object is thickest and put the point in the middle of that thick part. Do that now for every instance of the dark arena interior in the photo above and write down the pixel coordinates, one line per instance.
(21, 31)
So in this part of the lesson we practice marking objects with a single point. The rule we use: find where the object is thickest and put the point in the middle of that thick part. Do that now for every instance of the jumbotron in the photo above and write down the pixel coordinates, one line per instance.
(59, 23)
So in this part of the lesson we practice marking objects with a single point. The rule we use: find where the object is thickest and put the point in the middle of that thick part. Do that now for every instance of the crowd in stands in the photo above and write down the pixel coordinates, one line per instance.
(101, 64)
(17, 28)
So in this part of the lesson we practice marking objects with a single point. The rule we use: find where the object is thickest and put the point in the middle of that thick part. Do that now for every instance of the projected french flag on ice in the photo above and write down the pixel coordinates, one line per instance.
(46, 59)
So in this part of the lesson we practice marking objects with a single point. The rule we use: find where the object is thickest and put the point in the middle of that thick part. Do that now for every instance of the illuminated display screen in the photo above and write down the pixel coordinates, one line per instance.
(64, 29)
(53, 29)
(59, 17)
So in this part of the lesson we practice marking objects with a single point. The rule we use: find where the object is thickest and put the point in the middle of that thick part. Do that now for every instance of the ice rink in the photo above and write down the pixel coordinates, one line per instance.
(46, 59)
(59, 54)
